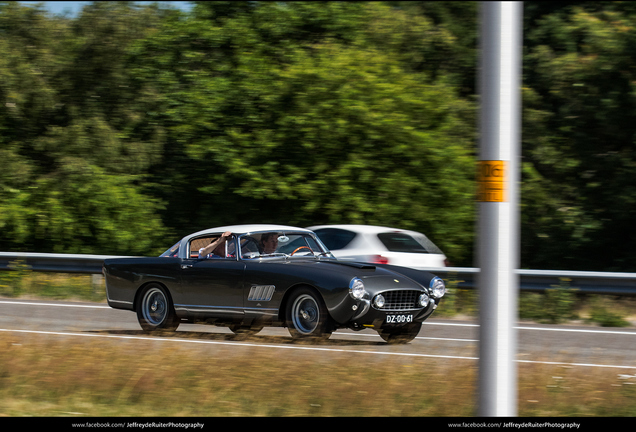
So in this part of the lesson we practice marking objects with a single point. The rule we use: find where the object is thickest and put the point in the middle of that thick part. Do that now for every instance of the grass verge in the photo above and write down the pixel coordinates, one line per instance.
(66, 377)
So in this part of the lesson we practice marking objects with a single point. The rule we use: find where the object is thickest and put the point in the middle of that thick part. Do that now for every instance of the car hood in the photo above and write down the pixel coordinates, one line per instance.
(381, 276)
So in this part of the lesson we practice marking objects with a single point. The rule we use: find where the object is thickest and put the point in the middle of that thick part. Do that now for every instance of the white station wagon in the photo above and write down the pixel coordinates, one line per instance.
(381, 245)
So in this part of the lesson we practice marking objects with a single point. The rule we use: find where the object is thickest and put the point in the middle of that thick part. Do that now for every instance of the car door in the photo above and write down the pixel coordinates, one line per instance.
(265, 284)
(212, 287)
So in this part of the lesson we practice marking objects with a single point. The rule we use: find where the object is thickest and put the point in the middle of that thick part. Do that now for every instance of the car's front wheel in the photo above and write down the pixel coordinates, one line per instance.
(155, 310)
(307, 316)
(401, 335)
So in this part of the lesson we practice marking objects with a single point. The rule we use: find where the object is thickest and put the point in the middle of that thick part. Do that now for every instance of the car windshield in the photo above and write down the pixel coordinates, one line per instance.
(402, 242)
(280, 244)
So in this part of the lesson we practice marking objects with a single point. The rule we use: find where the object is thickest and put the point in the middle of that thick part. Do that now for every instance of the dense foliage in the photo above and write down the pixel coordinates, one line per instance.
(128, 126)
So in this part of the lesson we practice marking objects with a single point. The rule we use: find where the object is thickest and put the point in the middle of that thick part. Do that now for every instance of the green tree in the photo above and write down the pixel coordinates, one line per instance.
(579, 160)
(443, 41)
(299, 113)
(75, 161)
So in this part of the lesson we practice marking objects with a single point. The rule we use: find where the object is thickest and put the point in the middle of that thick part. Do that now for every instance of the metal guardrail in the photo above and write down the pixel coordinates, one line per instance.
(623, 284)
(608, 283)
(59, 263)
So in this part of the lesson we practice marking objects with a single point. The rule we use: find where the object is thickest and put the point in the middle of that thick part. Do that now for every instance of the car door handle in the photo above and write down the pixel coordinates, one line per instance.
(185, 266)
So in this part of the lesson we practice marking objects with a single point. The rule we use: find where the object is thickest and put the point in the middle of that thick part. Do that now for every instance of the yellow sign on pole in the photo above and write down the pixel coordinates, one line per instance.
(491, 180)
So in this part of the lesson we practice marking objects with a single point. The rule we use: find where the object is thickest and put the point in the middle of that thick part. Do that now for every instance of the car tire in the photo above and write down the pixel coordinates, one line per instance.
(307, 316)
(401, 335)
(155, 311)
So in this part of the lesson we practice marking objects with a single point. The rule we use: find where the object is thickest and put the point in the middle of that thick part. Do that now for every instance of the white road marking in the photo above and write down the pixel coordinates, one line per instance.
(344, 333)
(306, 348)
(55, 304)
(631, 333)
(450, 324)
(255, 345)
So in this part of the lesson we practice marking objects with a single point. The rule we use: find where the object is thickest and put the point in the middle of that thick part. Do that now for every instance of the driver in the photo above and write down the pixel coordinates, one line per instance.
(269, 243)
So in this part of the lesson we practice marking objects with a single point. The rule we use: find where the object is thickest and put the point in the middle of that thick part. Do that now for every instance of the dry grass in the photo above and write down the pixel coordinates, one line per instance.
(548, 390)
(69, 377)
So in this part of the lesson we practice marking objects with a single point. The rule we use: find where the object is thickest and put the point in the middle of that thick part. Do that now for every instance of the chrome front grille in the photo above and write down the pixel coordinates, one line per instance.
(399, 300)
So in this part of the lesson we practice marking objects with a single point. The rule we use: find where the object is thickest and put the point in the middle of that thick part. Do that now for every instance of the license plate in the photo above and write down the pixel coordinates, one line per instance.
(399, 319)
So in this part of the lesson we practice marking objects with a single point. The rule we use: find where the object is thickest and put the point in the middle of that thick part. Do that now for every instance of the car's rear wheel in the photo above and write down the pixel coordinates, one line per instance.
(155, 310)
(401, 335)
(307, 316)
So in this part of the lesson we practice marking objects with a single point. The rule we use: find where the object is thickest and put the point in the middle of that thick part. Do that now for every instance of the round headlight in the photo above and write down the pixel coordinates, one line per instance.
(423, 300)
(356, 288)
(438, 289)
(379, 301)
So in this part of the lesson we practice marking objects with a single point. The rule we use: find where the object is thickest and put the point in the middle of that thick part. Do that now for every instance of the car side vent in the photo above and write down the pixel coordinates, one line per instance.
(261, 293)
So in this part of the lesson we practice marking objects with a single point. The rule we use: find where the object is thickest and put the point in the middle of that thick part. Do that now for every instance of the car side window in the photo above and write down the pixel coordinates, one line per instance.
(400, 242)
(228, 248)
(335, 238)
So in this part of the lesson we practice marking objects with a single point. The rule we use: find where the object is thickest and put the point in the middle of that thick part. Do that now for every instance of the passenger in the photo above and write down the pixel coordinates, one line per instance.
(269, 243)
(216, 249)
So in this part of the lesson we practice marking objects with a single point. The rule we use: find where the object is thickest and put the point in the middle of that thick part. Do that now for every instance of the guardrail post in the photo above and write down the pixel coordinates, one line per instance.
(97, 283)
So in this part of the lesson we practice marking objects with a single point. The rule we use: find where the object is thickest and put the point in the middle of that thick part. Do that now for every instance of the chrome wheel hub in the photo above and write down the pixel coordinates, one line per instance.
(305, 314)
(154, 306)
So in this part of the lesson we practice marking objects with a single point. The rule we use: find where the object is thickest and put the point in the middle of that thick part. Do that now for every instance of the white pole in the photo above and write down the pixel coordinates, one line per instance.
(498, 238)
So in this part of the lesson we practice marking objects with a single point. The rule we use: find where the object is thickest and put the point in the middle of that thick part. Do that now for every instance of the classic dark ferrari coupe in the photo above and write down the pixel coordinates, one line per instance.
(246, 277)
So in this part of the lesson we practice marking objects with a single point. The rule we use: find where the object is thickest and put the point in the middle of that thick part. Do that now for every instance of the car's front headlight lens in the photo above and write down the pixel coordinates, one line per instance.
(438, 289)
(356, 289)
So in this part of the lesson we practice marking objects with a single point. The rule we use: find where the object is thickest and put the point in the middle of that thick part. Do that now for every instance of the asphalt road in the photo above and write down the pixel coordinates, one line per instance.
(577, 346)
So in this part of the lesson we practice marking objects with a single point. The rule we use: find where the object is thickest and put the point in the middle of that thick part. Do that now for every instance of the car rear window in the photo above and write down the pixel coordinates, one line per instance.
(400, 242)
(335, 238)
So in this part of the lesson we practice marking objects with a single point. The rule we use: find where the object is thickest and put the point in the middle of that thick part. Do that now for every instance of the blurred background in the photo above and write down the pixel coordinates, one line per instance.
(126, 125)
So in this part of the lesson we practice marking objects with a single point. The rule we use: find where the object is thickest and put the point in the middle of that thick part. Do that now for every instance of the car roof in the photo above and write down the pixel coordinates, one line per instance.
(367, 229)
(248, 228)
